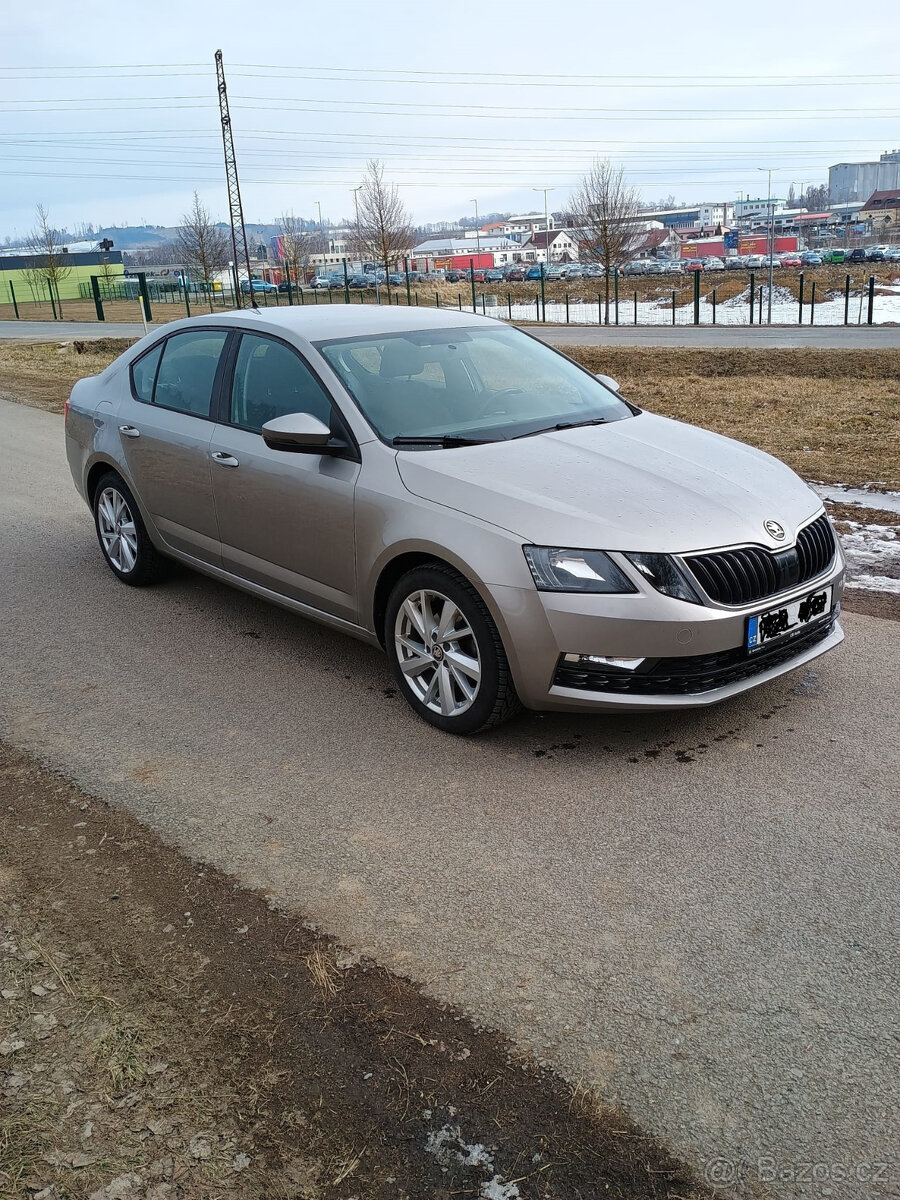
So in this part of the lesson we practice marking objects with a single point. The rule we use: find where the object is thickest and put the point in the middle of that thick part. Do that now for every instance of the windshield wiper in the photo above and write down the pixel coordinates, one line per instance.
(445, 440)
(564, 425)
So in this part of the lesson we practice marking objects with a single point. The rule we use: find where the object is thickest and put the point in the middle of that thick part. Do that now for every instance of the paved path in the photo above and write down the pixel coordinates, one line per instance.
(821, 337)
(835, 337)
(695, 913)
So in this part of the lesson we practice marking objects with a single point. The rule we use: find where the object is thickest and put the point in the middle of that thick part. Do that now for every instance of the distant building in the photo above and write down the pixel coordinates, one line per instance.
(559, 245)
(882, 210)
(23, 273)
(486, 250)
(856, 181)
(520, 229)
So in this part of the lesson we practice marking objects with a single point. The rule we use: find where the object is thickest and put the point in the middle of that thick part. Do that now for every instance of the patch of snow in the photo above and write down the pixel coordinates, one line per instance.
(448, 1148)
(496, 1189)
(875, 583)
(865, 497)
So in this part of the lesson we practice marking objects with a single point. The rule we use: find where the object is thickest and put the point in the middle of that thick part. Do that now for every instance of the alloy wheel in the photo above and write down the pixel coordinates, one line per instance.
(117, 530)
(438, 652)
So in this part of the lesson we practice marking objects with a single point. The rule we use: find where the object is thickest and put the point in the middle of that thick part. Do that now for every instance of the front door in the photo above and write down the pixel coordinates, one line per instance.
(285, 519)
(165, 428)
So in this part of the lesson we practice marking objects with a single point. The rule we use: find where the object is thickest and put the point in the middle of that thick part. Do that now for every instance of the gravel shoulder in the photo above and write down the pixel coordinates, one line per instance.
(166, 1034)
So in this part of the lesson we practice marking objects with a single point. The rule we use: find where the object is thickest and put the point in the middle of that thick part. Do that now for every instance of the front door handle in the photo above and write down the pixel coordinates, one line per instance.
(223, 459)
(129, 431)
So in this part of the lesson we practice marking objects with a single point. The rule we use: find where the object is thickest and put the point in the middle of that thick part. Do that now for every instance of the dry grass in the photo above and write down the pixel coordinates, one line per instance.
(832, 415)
(43, 375)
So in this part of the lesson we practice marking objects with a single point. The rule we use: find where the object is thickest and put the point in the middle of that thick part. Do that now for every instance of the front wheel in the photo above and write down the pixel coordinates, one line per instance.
(446, 653)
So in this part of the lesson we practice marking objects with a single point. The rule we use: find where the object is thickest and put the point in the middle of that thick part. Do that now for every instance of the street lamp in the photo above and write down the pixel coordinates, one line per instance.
(771, 241)
(356, 192)
(546, 218)
(324, 238)
(477, 230)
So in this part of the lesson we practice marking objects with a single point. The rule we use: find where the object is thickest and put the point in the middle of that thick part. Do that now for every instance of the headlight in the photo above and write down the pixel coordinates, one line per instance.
(665, 575)
(558, 570)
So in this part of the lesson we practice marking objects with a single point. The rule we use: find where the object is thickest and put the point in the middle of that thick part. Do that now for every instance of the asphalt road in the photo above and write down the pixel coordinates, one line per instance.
(836, 337)
(696, 914)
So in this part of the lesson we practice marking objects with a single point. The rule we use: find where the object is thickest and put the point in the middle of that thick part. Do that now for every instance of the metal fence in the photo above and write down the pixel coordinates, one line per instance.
(732, 298)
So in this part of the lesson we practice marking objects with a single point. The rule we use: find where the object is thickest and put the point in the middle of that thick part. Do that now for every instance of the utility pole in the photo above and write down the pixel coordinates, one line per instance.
(477, 230)
(324, 239)
(546, 218)
(771, 241)
(240, 250)
(356, 192)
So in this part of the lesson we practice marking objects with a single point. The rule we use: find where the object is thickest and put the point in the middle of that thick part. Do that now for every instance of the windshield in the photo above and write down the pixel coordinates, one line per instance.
(478, 384)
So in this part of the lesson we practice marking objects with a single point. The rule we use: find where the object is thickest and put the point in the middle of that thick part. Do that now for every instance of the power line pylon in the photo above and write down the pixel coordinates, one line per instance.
(239, 247)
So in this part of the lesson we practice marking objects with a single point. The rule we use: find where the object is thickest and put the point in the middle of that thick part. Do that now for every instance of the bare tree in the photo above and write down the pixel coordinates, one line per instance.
(203, 247)
(606, 212)
(385, 229)
(48, 259)
(815, 198)
(296, 245)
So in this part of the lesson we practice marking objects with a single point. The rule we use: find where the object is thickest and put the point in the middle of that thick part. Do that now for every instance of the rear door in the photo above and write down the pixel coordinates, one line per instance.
(286, 520)
(165, 428)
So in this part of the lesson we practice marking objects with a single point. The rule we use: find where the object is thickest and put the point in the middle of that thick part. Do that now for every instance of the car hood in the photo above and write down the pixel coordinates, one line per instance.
(641, 484)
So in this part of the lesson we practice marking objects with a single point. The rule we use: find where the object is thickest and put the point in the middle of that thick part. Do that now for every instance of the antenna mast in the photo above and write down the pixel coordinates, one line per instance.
(239, 247)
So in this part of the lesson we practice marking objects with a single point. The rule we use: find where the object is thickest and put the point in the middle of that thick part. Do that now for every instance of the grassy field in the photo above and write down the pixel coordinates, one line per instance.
(833, 415)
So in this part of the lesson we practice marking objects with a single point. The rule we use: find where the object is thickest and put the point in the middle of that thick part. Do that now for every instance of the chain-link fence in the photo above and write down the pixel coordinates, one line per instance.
(822, 296)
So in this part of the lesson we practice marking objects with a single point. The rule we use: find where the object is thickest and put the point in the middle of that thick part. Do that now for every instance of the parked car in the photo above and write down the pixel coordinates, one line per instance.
(736, 262)
(635, 267)
(361, 281)
(753, 262)
(320, 281)
(455, 276)
(694, 264)
(534, 271)
(218, 430)
(893, 254)
(809, 258)
(774, 260)
(875, 254)
(572, 271)
(397, 279)
(671, 266)
(551, 273)
(791, 260)
(833, 256)
(714, 264)
(855, 256)
(493, 275)
(515, 274)
(249, 286)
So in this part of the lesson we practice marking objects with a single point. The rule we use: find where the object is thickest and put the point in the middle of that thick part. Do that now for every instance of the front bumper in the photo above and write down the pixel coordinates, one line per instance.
(701, 647)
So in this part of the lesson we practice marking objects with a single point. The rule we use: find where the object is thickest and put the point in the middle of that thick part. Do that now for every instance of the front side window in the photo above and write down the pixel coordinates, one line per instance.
(184, 380)
(486, 384)
(270, 381)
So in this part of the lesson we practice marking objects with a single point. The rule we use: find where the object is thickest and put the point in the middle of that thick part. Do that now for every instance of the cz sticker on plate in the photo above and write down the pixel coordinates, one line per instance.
(779, 622)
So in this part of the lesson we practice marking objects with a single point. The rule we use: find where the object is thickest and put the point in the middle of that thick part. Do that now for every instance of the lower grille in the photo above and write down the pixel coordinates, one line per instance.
(691, 675)
(751, 573)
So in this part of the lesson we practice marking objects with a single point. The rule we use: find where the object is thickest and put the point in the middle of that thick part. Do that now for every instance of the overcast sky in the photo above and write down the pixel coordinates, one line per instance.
(108, 111)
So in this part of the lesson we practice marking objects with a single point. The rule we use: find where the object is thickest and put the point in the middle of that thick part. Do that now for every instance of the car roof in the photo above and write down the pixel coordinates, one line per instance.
(323, 322)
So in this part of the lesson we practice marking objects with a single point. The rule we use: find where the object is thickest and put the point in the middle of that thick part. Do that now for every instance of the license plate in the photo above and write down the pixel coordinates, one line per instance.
(780, 622)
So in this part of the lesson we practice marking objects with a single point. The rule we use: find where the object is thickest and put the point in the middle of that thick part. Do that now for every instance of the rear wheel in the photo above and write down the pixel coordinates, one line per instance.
(126, 546)
(446, 653)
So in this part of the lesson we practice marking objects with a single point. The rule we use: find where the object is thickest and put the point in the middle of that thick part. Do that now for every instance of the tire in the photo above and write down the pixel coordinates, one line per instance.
(122, 534)
(446, 653)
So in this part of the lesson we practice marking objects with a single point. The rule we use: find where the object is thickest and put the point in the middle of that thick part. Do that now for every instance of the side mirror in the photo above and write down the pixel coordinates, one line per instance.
(297, 432)
(609, 382)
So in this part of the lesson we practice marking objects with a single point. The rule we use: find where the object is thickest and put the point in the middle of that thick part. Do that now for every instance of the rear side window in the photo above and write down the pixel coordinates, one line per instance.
(143, 374)
(183, 380)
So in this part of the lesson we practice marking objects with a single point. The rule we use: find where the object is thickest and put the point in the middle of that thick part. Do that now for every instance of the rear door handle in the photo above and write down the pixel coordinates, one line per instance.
(223, 459)
(129, 431)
